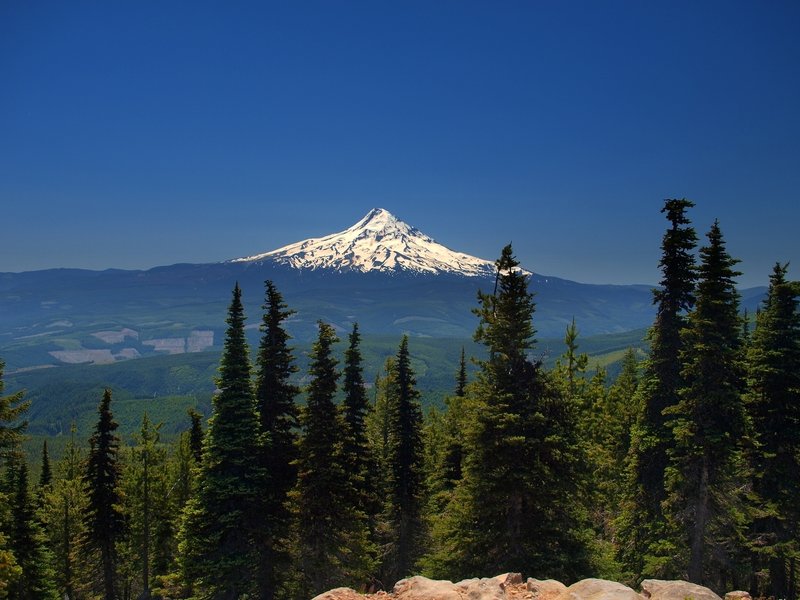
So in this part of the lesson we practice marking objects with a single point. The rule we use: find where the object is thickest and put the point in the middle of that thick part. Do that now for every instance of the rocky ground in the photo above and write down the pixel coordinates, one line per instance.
(511, 586)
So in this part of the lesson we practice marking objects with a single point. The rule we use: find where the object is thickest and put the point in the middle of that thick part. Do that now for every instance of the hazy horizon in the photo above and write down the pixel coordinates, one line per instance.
(137, 136)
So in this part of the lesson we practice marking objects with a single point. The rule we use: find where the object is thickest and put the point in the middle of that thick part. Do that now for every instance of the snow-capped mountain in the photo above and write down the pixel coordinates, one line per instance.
(378, 242)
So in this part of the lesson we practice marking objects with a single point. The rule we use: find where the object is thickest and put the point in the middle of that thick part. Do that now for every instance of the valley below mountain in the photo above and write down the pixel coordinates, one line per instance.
(77, 330)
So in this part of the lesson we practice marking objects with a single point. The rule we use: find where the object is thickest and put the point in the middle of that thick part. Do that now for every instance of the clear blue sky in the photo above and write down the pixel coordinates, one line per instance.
(136, 134)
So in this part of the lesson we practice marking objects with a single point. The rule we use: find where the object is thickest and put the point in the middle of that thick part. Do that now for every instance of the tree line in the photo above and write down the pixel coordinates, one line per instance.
(685, 466)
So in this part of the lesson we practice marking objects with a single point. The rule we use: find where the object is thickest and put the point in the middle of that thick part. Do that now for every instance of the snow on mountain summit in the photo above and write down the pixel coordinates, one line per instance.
(378, 242)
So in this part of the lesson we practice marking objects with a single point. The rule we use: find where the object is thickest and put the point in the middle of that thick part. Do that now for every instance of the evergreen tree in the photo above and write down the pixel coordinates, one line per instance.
(461, 378)
(611, 414)
(703, 479)
(453, 455)
(12, 429)
(279, 420)
(642, 522)
(355, 449)
(181, 471)
(331, 539)
(65, 503)
(12, 426)
(572, 365)
(27, 542)
(618, 415)
(148, 510)
(773, 402)
(196, 435)
(185, 466)
(104, 521)
(406, 485)
(217, 546)
(523, 458)
(10, 571)
(45, 473)
(358, 462)
(378, 426)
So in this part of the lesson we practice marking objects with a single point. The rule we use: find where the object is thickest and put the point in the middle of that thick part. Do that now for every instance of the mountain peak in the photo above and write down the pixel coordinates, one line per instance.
(378, 242)
(377, 218)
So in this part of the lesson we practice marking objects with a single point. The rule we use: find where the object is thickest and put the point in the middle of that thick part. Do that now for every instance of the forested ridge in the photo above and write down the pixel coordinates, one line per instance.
(685, 466)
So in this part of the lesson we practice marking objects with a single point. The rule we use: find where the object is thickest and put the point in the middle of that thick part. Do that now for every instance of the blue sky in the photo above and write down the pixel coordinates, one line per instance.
(137, 134)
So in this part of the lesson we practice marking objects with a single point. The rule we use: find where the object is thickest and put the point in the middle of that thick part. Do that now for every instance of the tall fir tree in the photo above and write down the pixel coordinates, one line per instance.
(610, 414)
(148, 509)
(65, 504)
(451, 466)
(641, 523)
(704, 479)
(461, 377)
(773, 402)
(196, 435)
(523, 440)
(378, 426)
(444, 451)
(219, 521)
(357, 458)
(275, 399)
(618, 415)
(330, 542)
(104, 521)
(572, 366)
(45, 472)
(12, 430)
(27, 542)
(12, 424)
(406, 471)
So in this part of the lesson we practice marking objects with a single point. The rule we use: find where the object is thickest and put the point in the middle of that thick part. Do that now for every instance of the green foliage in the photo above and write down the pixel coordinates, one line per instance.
(217, 545)
(704, 479)
(608, 419)
(27, 542)
(444, 444)
(405, 489)
(534, 466)
(359, 463)
(332, 537)
(167, 386)
(461, 378)
(104, 521)
(45, 472)
(572, 365)
(278, 414)
(773, 403)
(65, 503)
(642, 520)
(12, 427)
(523, 460)
(10, 571)
(196, 435)
(146, 485)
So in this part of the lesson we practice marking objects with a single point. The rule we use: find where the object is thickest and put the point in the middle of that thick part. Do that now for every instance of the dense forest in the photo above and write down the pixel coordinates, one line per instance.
(684, 466)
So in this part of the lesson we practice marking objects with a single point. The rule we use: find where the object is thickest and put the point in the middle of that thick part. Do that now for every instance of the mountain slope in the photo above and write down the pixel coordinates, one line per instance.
(382, 273)
(378, 242)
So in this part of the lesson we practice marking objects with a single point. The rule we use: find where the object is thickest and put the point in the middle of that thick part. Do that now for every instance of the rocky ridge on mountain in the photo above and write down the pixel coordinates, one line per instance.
(511, 586)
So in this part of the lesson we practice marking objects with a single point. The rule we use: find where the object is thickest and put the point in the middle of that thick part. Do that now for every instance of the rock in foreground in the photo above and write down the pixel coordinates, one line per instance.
(511, 587)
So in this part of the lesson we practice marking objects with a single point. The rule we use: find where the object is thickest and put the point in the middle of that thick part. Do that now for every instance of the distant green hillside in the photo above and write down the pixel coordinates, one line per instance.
(166, 386)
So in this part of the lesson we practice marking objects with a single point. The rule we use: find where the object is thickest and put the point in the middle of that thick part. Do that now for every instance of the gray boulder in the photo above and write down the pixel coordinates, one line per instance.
(545, 589)
(599, 589)
(658, 589)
